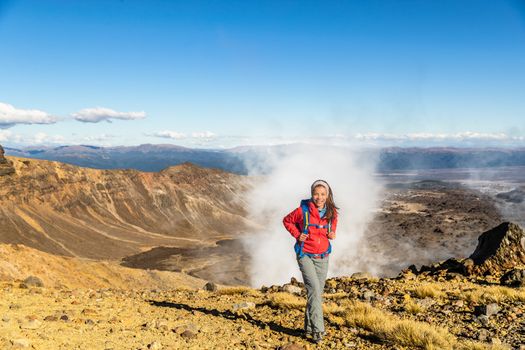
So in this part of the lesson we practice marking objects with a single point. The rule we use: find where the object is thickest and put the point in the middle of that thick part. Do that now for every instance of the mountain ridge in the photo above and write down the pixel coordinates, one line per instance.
(240, 160)
(108, 214)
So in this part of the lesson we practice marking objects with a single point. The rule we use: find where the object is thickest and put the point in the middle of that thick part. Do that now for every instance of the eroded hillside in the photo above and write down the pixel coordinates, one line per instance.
(108, 214)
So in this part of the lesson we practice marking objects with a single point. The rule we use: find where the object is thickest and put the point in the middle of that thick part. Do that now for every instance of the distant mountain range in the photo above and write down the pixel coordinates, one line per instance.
(239, 160)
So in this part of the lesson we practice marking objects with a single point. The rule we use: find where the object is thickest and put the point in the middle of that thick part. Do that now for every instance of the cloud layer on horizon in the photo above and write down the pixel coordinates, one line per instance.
(208, 139)
(175, 135)
(425, 136)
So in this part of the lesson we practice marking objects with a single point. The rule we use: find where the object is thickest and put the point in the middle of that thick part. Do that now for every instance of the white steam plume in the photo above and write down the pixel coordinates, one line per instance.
(356, 193)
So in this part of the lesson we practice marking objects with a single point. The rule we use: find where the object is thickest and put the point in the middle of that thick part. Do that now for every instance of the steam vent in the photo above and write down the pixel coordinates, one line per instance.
(5, 166)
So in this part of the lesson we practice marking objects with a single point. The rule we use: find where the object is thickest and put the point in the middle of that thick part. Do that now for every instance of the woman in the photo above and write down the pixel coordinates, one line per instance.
(313, 224)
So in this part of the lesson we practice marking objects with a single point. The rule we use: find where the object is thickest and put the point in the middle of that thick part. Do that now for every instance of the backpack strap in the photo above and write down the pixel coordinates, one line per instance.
(306, 215)
(306, 223)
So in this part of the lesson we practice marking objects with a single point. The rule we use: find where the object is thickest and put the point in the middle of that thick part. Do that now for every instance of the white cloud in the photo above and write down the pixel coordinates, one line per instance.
(98, 138)
(98, 114)
(43, 138)
(5, 135)
(10, 116)
(196, 136)
(167, 134)
(203, 135)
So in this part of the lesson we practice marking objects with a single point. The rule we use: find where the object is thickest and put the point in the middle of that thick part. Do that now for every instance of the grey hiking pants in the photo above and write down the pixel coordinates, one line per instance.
(314, 276)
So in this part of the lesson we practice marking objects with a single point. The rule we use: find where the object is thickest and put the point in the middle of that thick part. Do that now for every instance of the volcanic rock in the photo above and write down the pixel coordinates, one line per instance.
(487, 310)
(361, 275)
(210, 286)
(514, 278)
(33, 281)
(20, 343)
(245, 305)
(292, 289)
(31, 324)
(499, 249)
(6, 168)
(155, 345)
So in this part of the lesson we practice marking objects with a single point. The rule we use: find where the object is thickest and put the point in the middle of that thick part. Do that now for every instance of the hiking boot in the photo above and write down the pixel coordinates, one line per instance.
(307, 334)
(317, 337)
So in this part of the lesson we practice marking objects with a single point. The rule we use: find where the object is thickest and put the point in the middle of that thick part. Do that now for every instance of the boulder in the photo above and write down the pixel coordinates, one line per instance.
(20, 343)
(245, 305)
(33, 281)
(513, 278)
(292, 289)
(368, 295)
(487, 310)
(156, 345)
(188, 334)
(6, 168)
(361, 275)
(210, 287)
(499, 249)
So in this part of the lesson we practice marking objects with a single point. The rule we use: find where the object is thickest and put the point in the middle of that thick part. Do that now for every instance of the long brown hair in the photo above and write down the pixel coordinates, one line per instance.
(331, 208)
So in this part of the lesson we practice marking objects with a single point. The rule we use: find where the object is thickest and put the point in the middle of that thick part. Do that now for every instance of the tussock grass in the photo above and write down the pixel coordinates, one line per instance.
(428, 290)
(284, 300)
(247, 291)
(389, 328)
(413, 308)
(332, 308)
(493, 294)
(336, 296)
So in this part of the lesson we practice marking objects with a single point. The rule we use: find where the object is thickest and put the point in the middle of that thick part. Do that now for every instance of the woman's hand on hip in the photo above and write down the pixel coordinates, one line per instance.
(302, 237)
(331, 235)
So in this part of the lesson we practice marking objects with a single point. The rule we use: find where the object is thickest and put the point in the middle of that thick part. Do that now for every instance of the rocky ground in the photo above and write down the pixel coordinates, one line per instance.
(413, 311)
(471, 303)
(426, 221)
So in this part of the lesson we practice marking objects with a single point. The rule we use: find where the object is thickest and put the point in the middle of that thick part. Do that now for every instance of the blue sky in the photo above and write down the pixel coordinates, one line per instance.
(221, 74)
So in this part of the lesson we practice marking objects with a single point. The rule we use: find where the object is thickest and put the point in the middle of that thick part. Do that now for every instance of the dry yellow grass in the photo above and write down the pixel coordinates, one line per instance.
(493, 294)
(284, 300)
(247, 291)
(390, 329)
(413, 308)
(332, 308)
(335, 296)
(428, 290)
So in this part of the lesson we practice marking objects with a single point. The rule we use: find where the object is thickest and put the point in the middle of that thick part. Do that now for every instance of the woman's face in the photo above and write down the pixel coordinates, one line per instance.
(319, 196)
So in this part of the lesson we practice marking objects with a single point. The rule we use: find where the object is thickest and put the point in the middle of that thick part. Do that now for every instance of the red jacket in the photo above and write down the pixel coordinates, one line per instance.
(317, 239)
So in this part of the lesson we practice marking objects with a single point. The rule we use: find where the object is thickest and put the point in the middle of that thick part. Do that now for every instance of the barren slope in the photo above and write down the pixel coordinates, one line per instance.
(18, 262)
(109, 214)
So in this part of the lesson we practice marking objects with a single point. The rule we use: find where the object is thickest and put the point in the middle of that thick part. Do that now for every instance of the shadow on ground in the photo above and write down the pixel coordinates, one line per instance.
(231, 316)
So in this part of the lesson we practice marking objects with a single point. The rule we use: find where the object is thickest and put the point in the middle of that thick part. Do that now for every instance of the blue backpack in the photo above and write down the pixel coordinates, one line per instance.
(298, 247)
